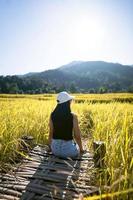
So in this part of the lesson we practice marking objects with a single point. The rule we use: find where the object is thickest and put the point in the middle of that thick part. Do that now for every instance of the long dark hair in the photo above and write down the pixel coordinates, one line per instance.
(62, 110)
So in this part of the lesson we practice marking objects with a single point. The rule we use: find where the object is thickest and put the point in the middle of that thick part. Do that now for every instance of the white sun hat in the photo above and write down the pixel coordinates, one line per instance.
(63, 97)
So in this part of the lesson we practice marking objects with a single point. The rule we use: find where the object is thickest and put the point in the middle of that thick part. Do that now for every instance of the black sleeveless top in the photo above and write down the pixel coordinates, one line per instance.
(63, 126)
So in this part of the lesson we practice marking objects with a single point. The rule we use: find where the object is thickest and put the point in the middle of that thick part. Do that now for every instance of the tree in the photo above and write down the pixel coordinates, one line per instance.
(92, 91)
(130, 89)
(73, 88)
(13, 88)
(103, 90)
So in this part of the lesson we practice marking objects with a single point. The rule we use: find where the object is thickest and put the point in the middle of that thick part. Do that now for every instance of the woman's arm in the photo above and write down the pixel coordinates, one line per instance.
(77, 133)
(50, 131)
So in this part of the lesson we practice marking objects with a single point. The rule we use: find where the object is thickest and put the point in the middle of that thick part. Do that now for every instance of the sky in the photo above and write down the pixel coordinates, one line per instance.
(36, 35)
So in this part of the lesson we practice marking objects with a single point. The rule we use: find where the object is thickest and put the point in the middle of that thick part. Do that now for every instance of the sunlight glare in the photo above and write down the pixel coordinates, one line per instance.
(87, 34)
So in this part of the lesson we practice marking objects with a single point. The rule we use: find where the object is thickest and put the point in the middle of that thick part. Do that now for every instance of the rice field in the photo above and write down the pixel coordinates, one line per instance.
(106, 117)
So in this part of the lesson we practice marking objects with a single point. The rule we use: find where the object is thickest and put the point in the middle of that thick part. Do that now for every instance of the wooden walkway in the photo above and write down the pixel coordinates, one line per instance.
(42, 176)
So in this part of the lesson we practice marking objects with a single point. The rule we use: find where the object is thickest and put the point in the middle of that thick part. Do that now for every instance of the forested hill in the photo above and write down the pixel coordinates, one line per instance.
(77, 76)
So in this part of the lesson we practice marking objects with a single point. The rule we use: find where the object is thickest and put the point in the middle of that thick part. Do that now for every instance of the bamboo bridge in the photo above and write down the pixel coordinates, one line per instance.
(42, 176)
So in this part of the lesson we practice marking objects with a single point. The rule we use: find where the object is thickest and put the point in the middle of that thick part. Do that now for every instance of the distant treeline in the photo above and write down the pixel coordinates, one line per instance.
(35, 85)
(16, 85)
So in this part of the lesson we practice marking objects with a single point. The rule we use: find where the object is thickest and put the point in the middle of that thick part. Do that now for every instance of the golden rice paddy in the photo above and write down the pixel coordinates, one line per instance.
(105, 117)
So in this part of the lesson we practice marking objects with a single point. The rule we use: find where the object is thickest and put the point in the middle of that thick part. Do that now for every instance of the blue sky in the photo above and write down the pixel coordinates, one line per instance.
(36, 35)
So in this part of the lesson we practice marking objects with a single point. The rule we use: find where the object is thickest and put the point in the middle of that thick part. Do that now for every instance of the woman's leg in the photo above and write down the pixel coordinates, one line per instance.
(69, 149)
(56, 147)
(64, 149)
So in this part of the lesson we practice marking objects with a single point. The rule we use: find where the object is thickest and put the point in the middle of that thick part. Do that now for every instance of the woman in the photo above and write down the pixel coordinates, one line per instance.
(64, 129)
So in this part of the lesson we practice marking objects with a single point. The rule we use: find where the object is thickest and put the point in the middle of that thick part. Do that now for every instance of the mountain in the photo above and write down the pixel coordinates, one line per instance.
(86, 69)
(81, 76)
(91, 74)
(27, 75)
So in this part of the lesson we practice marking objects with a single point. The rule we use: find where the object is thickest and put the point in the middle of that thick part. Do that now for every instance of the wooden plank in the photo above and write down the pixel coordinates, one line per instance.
(50, 177)
(8, 197)
(45, 166)
(41, 192)
(14, 186)
(59, 162)
(61, 165)
(37, 197)
(10, 192)
(28, 195)
(10, 176)
(46, 197)
(15, 182)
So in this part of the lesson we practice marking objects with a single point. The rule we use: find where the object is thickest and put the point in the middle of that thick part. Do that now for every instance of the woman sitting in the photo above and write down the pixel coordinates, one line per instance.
(64, 129)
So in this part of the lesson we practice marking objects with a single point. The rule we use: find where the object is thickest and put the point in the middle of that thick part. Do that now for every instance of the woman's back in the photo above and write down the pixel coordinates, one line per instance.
(63, 126)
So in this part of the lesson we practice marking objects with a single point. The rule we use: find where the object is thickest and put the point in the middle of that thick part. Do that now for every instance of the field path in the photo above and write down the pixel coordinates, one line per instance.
(42, 176)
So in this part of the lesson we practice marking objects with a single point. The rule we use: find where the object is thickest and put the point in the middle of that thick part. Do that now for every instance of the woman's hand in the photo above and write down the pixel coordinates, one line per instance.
(50, 148)
(82, 151)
